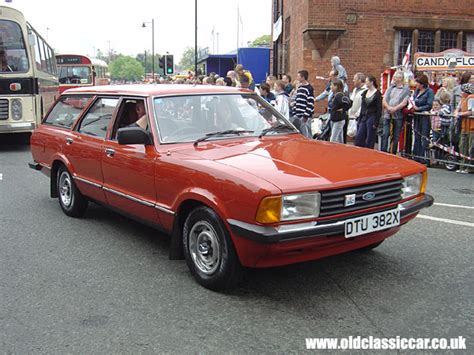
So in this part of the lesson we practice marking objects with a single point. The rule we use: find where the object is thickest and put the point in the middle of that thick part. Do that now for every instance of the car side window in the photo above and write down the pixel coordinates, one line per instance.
(97, 119)
(67, 110)
(132, 113)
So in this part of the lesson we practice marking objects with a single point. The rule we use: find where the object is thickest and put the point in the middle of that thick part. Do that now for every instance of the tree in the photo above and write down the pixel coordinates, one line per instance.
(265, 40)
(145, 58)
(187, 59)
(126, 68)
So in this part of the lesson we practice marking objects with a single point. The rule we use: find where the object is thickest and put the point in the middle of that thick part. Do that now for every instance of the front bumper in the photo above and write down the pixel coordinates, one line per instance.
(18, 127)
(269, 234)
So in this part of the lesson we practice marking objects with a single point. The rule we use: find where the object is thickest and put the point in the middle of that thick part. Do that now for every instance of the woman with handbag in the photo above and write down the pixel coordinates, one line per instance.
(340, 104)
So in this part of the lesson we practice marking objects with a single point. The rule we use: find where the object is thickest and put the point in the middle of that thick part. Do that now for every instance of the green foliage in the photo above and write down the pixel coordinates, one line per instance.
(126, 68)
(187, 59)
(145, 60)
(264, 40)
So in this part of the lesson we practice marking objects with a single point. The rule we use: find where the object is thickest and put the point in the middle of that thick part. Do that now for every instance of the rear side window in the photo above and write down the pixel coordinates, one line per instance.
(97, 119)
(67, 110)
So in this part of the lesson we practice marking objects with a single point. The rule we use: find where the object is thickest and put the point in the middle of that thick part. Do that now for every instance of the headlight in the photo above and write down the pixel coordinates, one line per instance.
(17, 109)
(289, 207)
(414, 185)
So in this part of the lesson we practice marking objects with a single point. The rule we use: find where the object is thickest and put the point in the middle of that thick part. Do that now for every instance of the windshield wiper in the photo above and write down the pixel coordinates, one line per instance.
(277, 128)
(221, 133)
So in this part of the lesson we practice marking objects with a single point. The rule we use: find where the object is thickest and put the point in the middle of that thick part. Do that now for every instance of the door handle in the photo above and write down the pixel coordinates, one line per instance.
(110, 152)
(69, 141)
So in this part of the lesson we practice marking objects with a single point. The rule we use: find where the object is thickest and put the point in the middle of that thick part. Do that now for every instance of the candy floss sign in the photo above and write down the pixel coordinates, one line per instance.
(451, 59)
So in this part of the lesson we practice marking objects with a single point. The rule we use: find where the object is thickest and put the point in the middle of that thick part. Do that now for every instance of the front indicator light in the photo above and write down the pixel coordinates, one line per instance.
(424, 181)
(269, 210)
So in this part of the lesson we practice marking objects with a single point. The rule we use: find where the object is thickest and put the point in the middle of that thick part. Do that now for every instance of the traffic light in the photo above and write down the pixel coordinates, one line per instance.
(169, 64)
(162, 62)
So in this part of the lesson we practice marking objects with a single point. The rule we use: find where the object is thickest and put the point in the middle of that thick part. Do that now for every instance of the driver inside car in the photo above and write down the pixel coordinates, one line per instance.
(141, 114)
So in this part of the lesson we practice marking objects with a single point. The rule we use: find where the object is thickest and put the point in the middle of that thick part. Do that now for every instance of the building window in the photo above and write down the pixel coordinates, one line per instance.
(426, 41)
(448, 40)
(468, 42)
(404, 38)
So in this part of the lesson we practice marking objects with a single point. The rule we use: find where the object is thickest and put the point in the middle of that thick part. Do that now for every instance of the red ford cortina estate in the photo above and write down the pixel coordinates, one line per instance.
(222, 172)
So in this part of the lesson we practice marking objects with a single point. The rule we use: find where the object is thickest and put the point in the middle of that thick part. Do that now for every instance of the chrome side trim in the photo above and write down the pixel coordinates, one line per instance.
(131, 198)
(45, 166)
(164, 209)
(75, 177)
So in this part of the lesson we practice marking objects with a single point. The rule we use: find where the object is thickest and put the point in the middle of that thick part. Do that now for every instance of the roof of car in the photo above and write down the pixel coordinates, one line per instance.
(156, 89)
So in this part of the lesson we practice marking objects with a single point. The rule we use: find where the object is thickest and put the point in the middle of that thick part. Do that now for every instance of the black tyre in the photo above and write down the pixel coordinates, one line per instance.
(209, 251)
(371, 246)
(72, 202)
(452, 162)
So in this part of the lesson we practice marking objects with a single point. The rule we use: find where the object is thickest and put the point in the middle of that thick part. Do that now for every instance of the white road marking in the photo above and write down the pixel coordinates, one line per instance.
(445, 220)
(455, 206)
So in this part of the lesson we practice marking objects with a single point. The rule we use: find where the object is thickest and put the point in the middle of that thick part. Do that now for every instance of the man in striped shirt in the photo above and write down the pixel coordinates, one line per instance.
(303, 108)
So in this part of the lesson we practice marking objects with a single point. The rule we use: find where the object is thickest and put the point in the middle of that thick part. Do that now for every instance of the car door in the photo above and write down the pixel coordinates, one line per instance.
(85, 147)
(128, 170)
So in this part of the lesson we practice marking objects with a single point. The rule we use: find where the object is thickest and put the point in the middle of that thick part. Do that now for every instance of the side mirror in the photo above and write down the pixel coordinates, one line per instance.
(133, 135)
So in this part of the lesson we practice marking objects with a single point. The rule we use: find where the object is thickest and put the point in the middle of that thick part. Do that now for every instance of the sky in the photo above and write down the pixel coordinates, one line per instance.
(83, 26)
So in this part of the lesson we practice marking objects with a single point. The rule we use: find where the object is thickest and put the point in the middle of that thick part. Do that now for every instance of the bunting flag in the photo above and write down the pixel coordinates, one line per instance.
(406, 58)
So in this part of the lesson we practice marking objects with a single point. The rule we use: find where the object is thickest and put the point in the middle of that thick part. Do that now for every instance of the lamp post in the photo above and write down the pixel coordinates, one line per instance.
(195, 37)
(152, 47)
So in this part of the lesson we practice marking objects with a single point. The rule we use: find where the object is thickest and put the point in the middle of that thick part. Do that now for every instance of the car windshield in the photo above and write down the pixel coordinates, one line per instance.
(13, 57)
(75, 75)
(219, 116)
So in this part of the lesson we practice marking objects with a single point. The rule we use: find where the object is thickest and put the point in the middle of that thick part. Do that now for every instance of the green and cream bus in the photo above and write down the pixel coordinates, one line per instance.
(28, 75)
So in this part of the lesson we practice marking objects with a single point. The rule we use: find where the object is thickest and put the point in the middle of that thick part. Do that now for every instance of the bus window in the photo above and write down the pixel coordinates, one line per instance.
(41, 52)
(75, 75)
(13, 56)
(54, 70)
(34, 44)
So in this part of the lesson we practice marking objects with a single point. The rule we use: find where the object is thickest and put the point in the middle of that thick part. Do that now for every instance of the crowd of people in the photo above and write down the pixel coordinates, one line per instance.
(365, 116)
(432, 113)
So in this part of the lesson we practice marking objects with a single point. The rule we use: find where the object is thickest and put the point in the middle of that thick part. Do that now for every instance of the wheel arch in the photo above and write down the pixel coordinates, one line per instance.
(185, 207)
(57, 162)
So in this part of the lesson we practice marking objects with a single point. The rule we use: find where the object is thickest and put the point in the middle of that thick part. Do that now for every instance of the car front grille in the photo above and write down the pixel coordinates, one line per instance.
(332, 201)
(3, 109)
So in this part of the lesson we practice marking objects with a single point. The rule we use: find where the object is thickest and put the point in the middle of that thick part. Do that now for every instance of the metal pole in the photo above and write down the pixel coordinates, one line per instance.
(195, 37)
(145, 64)
(238, 29)
(153, 48)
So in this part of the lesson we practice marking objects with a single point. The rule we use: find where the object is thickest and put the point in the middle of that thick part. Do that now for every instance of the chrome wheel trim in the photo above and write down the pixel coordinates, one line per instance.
(65, 189)
(204, 247)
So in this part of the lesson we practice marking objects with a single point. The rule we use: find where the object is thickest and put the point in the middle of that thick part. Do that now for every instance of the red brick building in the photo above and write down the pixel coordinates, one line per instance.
(368, 35)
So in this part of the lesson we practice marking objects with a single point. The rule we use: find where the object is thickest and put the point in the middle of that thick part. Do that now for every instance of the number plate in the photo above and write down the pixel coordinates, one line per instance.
(371, 223)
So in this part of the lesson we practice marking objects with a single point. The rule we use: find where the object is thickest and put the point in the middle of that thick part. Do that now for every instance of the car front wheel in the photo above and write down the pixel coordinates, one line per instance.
(209, 251)
(72, 202)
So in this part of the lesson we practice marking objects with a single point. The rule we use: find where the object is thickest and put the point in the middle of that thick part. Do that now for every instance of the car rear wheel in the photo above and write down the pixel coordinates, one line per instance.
(72, 202)
(209, 251)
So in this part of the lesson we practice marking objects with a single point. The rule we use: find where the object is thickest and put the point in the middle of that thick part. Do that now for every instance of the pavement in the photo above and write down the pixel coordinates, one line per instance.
(104, 284)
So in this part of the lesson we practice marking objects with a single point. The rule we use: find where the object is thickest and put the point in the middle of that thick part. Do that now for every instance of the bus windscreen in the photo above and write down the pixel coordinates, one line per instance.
(75, 75)
(13, 57)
